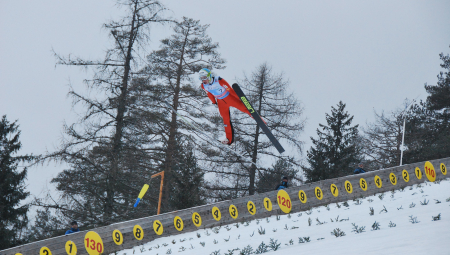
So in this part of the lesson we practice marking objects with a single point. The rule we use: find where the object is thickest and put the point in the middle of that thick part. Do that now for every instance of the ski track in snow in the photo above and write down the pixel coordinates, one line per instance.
(424, 237)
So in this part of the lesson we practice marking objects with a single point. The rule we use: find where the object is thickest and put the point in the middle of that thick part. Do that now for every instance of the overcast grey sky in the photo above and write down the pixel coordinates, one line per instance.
(369, 54)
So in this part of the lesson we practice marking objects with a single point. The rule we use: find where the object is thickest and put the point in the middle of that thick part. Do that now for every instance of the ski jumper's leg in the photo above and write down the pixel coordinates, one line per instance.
(224, 109)
(237, 103)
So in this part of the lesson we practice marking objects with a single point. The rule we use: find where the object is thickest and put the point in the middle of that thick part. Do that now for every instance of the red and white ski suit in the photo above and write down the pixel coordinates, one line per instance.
(222, 94)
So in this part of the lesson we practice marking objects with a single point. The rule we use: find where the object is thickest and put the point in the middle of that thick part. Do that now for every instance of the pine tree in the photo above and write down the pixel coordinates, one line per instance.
(268, 180)
(188, 178)
(439, 94)
(336, 151)
(427, 133)
(46, 225)
(182, 54)
(13, 214)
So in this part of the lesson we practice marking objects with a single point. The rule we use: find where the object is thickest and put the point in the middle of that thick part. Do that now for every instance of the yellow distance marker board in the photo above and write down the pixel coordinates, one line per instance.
(302, 196)
(393, 178)
(93, 243)
(418, 173)
(319, 193)
(196, 219)
(216, 213)
(117, 237)
(334, 190)
(267, 204)
(405, 175)
(284, 201)
(71, 248)
(429, 171)
(348, 187)
(138, 232)
(251, 207)
(45, 251)
(158, 227)
(378, 181)
(363, 184)
(178, 223)
(233, 211)
(443, 169)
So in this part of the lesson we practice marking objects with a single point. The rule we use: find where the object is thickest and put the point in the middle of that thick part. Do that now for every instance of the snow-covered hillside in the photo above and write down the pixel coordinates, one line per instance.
(413, 221)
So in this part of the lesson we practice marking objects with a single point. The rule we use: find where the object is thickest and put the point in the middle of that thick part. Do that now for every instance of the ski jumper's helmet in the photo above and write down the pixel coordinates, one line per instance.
(205, 74)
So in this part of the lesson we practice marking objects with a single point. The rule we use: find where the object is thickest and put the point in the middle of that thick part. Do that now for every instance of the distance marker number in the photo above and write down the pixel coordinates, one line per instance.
(363, 184)
(319, 193)
(251, 207)
(138, 232)
(378, 181)
(443, 169)
(418, 173)
(178, 223)
(284, 201)
(216, 213)
(405, 175)
(429, 171)
(267, 204)
(117, 237)
(393, 178)
(93, 243)
(196, 219)
(233, 211)
(45, 251)
(158, 227)
(334, 190)
(71, 248)
(302, 196)
(348, 187)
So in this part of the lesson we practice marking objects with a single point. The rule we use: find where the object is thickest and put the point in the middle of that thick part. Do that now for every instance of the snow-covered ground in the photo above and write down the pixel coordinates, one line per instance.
(400, 208)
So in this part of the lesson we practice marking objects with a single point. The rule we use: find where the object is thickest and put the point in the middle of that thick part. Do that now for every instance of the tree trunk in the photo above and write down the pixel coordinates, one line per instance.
(251, 189)
(171, 146)
(119, 124)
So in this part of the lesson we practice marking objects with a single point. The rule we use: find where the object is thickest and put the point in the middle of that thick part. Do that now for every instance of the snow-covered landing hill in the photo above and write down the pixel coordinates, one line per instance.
(405, 218)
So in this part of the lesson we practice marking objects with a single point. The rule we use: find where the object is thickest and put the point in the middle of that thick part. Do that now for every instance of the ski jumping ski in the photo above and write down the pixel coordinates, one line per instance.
(257, 118)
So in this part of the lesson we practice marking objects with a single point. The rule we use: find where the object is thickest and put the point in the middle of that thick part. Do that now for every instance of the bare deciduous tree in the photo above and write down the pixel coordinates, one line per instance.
(269, 95)
(103, 178)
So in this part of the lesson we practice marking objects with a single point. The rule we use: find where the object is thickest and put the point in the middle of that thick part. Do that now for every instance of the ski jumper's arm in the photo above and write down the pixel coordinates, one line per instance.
(211, 97)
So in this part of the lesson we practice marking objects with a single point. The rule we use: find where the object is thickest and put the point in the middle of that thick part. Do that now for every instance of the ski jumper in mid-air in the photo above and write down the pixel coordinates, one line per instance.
(222, 94)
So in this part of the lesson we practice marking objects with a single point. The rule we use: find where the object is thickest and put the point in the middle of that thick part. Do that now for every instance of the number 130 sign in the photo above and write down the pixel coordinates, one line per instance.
(93, 243)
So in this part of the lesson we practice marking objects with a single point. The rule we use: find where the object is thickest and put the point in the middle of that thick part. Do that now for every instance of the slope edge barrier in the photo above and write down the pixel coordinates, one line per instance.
(124, 235)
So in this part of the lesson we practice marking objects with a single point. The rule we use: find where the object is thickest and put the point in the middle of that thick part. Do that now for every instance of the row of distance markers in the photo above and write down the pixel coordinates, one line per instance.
(94, 244)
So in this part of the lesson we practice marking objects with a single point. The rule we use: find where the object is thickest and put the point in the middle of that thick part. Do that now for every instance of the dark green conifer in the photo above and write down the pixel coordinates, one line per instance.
(187, 178)
(335, 153)
(268, 180)
(13, 213)
(439, 94)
